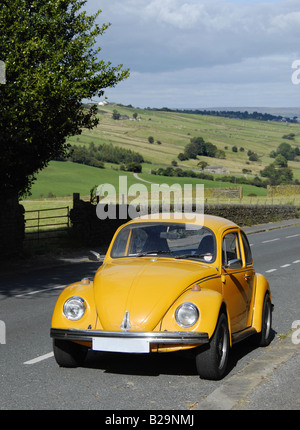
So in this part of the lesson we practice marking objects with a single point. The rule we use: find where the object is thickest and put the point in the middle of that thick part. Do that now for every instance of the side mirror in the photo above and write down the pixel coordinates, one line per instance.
(94, 256)
(234, 264)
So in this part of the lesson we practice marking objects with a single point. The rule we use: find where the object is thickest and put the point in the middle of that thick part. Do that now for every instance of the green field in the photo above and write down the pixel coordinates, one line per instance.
(62, 179)
(174, 131)
(247, 189)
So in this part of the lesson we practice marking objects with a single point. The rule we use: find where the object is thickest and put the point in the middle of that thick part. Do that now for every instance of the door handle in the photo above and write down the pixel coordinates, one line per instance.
(246, 277)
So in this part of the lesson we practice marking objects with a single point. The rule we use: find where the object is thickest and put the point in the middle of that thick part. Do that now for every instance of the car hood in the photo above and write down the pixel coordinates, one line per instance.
(143, 287)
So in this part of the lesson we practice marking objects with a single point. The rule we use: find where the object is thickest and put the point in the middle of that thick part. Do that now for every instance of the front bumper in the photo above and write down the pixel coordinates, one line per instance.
(138, 342)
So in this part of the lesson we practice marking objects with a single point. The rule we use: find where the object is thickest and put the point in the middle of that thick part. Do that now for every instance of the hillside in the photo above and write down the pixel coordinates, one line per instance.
(173, 131)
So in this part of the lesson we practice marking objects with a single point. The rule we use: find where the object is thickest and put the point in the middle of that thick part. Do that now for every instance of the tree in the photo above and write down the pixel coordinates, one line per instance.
(182, 156)
(191, 150)
(151, 139)
(197, 146)
(290, 136)
(277, 175)
(210, 149)
(220, 154)
(202, 164)
(280, 161)
(115, 115)
(52, 64)
(133, 167)
(286, 150)
(253, 156)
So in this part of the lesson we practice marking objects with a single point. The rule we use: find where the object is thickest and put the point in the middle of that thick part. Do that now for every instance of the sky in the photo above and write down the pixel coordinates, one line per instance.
(202, 53)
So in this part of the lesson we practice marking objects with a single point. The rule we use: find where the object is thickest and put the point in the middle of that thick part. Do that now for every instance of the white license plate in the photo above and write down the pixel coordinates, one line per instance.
(121, 345)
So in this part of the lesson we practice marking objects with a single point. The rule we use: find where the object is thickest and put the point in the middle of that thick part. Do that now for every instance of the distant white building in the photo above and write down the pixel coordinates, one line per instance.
(104, 103)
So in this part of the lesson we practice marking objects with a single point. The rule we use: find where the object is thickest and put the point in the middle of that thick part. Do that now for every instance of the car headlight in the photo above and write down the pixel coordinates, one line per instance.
(74, 308)
(186, 314)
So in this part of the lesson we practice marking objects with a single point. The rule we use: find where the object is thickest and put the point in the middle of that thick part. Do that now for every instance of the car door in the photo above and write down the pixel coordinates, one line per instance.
(237, 280)
(249, 274)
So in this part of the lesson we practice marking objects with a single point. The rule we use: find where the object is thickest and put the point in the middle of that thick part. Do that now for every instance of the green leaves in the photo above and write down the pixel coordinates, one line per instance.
(48, 48)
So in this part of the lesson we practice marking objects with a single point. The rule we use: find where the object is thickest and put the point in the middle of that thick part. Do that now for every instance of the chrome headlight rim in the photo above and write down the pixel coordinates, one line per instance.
(74, 308)
(187, 314)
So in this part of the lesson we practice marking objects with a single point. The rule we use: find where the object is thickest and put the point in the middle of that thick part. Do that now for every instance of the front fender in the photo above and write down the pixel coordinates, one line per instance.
(209, 303)
(261, 288)
(89, 319)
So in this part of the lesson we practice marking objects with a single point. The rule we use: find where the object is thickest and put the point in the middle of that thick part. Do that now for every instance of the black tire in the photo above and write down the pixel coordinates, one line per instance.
(69, 354)
(211, 363)
(265, 336)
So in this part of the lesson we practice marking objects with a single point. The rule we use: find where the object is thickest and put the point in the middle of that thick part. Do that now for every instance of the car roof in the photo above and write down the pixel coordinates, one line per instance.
(211, 221)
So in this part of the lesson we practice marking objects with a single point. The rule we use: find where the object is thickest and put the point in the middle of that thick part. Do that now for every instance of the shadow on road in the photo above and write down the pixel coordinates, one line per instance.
(155, 364)
(43, 277)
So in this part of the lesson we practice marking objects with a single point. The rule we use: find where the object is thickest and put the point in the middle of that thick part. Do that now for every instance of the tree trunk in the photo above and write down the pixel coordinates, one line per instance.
(12, 227)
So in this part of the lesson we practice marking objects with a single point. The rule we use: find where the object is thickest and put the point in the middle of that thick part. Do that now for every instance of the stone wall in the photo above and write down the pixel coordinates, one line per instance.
(89, 229)
(246, 215)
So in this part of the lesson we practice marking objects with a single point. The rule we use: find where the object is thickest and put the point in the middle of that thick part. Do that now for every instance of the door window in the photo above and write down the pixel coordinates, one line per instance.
(247, 249)
(230, 248)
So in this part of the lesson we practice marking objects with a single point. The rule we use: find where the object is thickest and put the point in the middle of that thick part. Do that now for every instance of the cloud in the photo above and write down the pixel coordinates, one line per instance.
(183, 16)
(246, 83)
(286, 22)
(202, 47)
(162, 35)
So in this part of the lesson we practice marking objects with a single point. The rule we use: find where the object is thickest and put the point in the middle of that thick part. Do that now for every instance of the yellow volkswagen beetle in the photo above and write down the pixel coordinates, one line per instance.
(167, 285)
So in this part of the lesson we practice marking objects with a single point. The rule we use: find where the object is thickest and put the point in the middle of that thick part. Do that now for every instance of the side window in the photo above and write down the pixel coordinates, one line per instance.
(119, 246)
(230, 248)
(247, 249)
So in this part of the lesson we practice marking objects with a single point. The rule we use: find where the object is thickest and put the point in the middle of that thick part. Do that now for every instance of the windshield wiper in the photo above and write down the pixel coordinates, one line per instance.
(143, 254)
(191, 255)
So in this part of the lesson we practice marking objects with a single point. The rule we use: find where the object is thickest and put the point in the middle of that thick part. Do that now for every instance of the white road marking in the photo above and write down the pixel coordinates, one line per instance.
(271, 240)
(40, 358)
(31, 293)
(283, 266)
(294, 235)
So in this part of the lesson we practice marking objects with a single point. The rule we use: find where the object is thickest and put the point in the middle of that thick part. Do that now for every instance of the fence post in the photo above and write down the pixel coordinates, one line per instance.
(68, 214)
(76, 199)
(38, 226)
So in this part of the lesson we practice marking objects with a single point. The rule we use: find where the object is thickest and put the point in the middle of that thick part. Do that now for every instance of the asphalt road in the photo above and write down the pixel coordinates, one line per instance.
(31, 379)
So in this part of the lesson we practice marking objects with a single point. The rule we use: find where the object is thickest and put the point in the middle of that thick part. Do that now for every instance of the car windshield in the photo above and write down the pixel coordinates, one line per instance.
(175, 240)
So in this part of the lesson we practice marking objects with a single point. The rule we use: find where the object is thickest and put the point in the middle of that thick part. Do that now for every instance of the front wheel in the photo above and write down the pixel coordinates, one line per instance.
(69, 354)
(211, 363)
